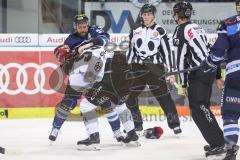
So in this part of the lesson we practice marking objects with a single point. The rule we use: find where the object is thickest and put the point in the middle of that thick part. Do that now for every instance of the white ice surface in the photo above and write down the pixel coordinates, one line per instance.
(30, 136)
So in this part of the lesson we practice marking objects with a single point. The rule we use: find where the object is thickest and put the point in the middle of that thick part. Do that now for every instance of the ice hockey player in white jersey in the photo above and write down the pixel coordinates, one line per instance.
(110, 94)
(84, 71)
(87, 36)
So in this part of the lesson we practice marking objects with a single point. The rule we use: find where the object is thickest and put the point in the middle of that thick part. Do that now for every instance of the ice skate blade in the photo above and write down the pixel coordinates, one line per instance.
(216, 157)
(133, 143)
(51, 143)
(177, 136)
(123, 144)
(138, 144)
(93, 147)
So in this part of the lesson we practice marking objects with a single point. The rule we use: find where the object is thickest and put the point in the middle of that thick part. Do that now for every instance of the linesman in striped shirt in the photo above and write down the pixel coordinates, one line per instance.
(149, 51)
(191, 49)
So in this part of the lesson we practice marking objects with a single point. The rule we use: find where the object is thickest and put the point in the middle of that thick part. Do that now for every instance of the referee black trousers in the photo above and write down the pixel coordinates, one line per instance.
(158, 89)
(199, 94)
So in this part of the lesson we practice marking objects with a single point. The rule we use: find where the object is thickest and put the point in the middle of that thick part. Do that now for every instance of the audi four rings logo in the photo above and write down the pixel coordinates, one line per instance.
(22, 78)
(23, 39)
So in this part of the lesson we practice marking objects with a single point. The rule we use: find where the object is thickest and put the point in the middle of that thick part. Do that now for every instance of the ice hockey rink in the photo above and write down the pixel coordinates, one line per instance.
(29, 137)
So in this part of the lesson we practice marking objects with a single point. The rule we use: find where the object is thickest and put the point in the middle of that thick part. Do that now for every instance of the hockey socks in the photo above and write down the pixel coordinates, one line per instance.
(113, 120)
(125, 117)
(67, 104)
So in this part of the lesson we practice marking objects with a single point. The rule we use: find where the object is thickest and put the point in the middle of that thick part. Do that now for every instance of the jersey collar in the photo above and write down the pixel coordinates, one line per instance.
(152, 27)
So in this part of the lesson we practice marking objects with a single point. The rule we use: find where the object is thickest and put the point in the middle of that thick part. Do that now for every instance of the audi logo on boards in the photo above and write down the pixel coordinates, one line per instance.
(22, 39)
(22, 78)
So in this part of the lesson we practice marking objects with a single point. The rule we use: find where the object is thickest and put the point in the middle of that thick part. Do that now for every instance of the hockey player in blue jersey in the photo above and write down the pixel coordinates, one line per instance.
(82, 32)
(228, 42)
(97, 38)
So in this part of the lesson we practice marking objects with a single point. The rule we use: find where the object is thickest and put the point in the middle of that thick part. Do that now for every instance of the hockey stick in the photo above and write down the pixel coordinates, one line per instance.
(181, 71)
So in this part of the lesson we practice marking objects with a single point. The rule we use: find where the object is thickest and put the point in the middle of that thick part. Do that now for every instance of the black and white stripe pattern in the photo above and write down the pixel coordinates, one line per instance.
(150, 45)
(191, 48)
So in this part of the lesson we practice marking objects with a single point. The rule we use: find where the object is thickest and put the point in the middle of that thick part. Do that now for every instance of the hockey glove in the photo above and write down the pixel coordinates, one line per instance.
(153, 133)
(62, 53)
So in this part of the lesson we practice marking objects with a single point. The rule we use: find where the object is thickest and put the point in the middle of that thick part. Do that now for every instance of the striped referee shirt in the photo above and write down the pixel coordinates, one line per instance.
(191, 48)
(149, 44)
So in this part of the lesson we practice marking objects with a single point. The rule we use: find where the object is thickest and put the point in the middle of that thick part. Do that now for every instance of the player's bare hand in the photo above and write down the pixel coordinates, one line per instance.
(81, 49)
(220, 83)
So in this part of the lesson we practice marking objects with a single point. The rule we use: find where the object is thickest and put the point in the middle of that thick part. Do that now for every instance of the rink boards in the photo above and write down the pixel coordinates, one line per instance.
(148, 112)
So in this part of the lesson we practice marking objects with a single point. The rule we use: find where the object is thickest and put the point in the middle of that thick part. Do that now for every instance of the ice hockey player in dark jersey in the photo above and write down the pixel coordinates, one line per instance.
(191, 49)
(110, 94)
(228, 42)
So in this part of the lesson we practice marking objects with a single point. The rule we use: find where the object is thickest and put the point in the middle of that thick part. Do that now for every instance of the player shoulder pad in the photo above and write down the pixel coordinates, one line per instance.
(232, 20)
(228, 22)
(96, 28)
(161, 30)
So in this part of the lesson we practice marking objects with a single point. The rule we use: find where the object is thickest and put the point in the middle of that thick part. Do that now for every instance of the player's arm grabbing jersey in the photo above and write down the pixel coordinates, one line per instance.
(149, 44)
(191, 48)
(228, 40)
(96, 35)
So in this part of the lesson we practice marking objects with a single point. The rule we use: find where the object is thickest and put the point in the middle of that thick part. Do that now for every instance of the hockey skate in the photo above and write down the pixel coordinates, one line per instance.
(119, 137)
(2, 150)
(232, 153)
(207, 148)
(177, 130)
(216, 153)
(53, 135)
(92, 143)
(132, 137)
(138, 129)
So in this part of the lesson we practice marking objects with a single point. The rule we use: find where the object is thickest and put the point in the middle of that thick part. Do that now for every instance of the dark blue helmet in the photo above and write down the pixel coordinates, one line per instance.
(81, 18)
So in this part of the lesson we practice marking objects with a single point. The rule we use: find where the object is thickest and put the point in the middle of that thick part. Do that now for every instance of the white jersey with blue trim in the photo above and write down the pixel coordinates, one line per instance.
(89, 68)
